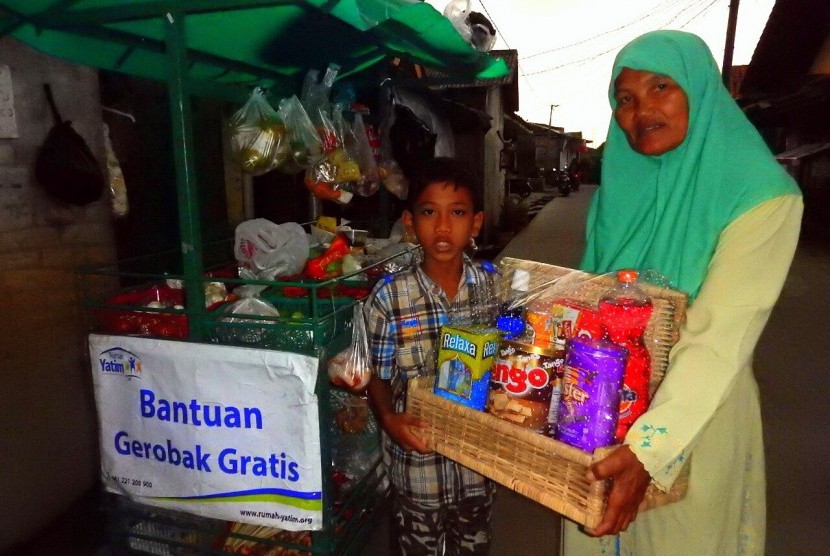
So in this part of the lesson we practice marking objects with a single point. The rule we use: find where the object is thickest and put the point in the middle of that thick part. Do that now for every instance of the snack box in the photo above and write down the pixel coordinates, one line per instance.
(465, 359)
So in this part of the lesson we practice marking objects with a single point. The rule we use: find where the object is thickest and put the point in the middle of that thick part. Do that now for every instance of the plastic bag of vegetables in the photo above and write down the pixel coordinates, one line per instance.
(258, 137)
(304, 143)
(351, 368)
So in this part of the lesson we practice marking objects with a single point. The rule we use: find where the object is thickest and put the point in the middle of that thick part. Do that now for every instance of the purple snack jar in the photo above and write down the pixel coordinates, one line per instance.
(590, 402)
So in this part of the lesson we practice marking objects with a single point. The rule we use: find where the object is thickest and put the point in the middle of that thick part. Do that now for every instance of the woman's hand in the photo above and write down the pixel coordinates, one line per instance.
(401, 428)
(628, 488)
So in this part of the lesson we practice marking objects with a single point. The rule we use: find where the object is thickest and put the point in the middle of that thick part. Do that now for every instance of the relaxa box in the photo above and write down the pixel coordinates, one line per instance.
(465, 357)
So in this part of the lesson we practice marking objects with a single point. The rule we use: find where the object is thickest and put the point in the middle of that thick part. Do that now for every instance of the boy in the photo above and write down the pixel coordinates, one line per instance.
(439, 507)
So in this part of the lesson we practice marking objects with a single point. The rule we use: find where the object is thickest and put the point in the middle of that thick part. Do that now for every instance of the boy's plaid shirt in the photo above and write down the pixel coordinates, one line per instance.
(403, 321)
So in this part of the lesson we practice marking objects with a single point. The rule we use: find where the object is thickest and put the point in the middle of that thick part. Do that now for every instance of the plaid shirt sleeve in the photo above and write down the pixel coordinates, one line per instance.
(380, 328)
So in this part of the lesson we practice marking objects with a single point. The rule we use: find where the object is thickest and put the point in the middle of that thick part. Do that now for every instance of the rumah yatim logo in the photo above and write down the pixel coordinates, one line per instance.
(119, 361)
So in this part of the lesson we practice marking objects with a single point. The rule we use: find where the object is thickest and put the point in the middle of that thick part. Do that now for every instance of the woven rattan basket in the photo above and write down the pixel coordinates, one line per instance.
(545, 470)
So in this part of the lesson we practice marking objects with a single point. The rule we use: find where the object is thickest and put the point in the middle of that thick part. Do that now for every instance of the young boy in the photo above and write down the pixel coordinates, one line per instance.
(440, 507)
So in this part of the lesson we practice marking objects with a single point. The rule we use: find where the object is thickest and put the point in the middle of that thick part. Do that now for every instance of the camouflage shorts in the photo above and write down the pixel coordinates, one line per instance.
(448, 530)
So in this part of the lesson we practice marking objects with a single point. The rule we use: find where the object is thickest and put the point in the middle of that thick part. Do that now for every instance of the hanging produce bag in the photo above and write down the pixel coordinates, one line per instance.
(118, 188)
(332, 177)
(370, 182)
(304, 143)
(258, 136)
(389, 171)
(343, 155)
(65, 166)
(315, 99)
(350, 369)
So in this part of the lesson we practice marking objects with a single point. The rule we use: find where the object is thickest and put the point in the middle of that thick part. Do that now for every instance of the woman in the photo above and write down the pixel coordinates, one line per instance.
(691, 190)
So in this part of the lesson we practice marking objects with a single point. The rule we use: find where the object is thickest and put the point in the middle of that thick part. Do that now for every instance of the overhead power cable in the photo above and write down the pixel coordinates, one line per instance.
(700, 13)
(691, 6)
(493, 21)
(657, 9)
(592, 57)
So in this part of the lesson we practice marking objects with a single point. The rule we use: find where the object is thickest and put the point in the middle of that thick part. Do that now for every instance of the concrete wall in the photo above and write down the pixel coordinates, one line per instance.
(493, 174)
(49, 443)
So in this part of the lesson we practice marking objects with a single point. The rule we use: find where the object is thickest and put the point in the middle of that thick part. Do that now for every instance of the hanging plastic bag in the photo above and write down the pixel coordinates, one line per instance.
(315, 99)
(304, 143)
(118, 188)
(389, 171)
(258, 136)
(320, 179)
(265, 250)
(393, 179)
(351, 368)
(370, 183)
(329, 178)
(343, 156)
(473, 27)
(65, 166)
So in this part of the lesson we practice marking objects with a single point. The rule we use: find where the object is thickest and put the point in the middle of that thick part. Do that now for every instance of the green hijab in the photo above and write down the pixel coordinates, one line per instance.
(666, 212)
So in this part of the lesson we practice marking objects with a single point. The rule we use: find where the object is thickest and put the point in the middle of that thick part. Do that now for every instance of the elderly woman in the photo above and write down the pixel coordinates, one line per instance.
(690, 189)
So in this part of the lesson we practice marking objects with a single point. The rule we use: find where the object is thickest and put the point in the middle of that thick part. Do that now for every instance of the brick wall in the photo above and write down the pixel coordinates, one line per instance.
(49, 453)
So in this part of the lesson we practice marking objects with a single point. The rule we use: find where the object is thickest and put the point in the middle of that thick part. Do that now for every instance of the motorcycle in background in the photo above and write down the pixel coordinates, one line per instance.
(557, 179)
(575, 177)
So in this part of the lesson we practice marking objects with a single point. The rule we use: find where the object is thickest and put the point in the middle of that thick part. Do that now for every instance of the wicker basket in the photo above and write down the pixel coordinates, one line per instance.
(545, 470)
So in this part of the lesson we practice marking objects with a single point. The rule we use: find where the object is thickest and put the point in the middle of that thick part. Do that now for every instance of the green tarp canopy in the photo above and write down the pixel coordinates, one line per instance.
(223, 48)
(245, 42)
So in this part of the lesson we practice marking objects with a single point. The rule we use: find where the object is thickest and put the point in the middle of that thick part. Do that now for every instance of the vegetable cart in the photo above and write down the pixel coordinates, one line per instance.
(221, 49)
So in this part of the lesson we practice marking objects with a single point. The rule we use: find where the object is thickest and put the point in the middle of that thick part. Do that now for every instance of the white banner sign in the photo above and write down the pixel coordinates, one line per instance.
(224, 432)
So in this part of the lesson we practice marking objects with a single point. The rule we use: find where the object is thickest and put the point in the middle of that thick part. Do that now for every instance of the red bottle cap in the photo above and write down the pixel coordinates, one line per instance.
(627, 276)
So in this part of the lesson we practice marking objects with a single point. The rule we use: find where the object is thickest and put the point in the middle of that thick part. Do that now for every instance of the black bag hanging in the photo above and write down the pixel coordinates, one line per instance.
(65, 165)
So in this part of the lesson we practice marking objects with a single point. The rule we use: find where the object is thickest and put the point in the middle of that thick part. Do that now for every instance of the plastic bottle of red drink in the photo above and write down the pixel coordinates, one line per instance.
(624, 311)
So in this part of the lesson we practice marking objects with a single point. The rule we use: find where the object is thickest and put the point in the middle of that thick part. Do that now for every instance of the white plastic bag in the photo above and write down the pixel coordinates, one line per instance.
(265, 250)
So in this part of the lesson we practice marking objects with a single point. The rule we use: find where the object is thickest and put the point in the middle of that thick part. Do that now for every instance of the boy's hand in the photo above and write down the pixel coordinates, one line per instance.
(630, 481)
(401, 428)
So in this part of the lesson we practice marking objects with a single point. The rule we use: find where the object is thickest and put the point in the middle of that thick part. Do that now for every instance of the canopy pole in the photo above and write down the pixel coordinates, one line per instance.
(188, 201)
(729, 48)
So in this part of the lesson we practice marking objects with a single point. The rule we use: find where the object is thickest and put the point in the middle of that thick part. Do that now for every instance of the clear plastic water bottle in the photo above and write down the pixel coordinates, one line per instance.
(624, 311)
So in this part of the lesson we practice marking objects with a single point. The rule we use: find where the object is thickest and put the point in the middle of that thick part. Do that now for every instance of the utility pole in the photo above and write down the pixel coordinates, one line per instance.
(548, 158)
(730, 42)
(550, 118)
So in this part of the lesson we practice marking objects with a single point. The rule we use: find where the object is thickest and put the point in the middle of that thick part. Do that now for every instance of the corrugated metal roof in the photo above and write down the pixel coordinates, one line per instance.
(510, 58)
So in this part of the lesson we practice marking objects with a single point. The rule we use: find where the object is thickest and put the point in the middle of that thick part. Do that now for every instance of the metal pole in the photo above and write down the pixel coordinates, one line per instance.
(730, 42)
(550, 118)
(188, 200)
